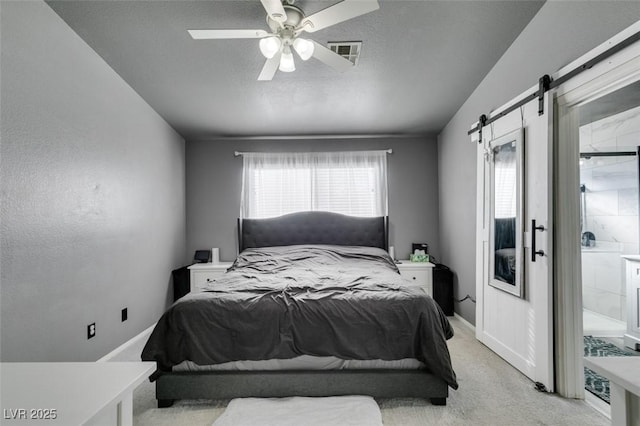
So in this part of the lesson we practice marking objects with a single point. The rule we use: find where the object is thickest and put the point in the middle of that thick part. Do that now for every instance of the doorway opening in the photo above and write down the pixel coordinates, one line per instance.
(609, 141)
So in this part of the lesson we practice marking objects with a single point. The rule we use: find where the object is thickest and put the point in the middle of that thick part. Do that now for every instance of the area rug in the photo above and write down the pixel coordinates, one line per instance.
(297, 410)
(594, 383)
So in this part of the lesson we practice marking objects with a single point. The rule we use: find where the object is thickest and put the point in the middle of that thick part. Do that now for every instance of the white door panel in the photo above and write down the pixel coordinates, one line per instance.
(520, 329)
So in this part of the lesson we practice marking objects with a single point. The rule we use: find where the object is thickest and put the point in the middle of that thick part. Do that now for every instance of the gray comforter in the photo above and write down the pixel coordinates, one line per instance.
(283, 302)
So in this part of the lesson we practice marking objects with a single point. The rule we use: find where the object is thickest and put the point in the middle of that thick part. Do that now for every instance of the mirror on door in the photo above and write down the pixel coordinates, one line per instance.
(505, 250)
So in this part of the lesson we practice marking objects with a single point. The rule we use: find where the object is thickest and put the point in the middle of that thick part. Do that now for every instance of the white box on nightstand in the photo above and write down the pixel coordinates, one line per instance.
(419, 273)
(203, 274)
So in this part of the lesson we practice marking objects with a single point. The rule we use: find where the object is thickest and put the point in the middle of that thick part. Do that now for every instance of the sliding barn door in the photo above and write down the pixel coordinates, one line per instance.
(518, 327)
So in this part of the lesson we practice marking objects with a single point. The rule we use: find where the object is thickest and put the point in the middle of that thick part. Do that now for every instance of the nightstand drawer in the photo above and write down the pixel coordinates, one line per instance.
(418, 274)
(203, 274)
(420, 278)
(202, 279)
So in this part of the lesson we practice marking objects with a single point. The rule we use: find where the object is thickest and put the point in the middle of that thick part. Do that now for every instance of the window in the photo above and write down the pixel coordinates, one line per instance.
(504, 157)
(353, 183)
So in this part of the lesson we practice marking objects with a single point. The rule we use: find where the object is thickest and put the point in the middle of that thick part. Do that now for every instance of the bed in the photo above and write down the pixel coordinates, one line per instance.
(312, 306)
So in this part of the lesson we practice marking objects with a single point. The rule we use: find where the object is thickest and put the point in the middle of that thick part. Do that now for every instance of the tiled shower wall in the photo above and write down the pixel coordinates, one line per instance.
(611, 210)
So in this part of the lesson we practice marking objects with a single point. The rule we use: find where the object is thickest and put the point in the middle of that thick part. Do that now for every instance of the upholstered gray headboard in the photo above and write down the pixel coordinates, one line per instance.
(313, 228)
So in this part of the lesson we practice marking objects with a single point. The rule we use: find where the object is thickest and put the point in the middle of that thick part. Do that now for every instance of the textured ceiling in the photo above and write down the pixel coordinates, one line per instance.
(420, 61)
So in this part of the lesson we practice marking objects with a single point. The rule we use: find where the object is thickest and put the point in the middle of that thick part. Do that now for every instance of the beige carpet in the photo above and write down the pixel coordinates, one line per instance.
(491, 392)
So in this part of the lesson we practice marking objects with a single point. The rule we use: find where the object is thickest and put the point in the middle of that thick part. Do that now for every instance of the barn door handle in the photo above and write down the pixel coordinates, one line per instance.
(535, 252)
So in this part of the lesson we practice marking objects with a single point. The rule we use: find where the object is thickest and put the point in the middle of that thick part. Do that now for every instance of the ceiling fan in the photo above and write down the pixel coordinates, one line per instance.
(286, 23)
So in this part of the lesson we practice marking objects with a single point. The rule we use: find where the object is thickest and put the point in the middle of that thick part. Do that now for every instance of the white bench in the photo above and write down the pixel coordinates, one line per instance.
(70, 393)
(623, 374)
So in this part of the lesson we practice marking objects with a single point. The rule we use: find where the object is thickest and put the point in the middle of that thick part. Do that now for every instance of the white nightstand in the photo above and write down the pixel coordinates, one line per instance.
(202, 274)
(418, 273)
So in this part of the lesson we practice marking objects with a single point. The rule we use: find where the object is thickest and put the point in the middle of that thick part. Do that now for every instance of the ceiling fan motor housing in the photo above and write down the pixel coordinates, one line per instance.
(295, 15)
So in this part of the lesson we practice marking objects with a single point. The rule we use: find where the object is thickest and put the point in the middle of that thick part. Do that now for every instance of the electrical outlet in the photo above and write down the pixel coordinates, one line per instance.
(91, 330)
(124, 314)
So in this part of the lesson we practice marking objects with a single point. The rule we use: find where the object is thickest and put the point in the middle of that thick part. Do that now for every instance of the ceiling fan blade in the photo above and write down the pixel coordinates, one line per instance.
(226, 34)
(331, 58)
(340, 12)
(275, 10)
(270, 67)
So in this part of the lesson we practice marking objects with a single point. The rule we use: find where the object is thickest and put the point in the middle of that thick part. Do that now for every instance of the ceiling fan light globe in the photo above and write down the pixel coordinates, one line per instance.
(304, 48)
(286, 62)
(269, 46)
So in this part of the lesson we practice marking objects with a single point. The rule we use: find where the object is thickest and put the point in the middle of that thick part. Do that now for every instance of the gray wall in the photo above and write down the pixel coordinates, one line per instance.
(214, 182)
(93, 201)
(561, 32)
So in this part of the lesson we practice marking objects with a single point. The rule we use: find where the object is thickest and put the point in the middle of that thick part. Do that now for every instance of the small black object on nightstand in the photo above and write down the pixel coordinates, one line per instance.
(202, 256)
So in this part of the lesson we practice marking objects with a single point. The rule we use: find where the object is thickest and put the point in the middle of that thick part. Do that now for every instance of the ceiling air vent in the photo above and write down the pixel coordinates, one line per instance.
(349, 50)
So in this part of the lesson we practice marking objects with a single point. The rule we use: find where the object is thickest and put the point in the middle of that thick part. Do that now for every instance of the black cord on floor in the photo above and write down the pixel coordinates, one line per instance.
(465, 298)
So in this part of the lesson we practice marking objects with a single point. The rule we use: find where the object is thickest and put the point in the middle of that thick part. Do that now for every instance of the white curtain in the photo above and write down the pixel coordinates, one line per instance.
(352, 183)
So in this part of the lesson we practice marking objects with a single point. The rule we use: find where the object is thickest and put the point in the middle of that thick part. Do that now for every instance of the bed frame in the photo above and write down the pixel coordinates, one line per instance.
(293, 229)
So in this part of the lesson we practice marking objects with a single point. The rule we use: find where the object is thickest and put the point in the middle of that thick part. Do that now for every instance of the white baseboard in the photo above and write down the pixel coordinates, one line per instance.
(465, 322)
(597, 404)
(142, 336)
